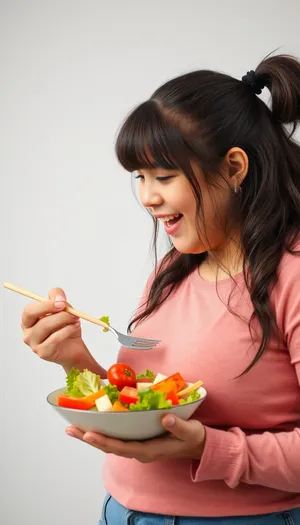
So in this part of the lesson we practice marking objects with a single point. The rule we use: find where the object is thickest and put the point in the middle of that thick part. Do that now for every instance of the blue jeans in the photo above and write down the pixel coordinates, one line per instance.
(115, 514)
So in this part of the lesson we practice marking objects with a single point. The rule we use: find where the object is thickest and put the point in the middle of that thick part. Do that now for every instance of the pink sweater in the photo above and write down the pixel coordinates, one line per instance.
(251, 461)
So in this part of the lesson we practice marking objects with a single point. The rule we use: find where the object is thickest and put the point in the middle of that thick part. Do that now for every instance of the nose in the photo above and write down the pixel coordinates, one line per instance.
(150, 197)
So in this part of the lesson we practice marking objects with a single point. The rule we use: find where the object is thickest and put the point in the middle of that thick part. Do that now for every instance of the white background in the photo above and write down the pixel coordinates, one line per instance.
(70, 72)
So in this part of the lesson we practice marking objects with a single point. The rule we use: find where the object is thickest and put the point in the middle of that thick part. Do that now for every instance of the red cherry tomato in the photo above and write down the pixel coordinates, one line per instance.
(121, 375)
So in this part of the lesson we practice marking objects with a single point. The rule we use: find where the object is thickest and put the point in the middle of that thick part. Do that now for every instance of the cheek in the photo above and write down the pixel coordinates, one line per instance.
(185, 201)
(208, 228)
(215, 206)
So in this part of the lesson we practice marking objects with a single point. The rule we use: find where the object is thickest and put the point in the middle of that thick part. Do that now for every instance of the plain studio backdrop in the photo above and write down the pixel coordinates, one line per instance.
(70, 72)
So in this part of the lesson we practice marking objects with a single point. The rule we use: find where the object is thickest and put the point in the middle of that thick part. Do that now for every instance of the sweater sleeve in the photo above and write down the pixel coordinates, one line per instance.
(268, 459)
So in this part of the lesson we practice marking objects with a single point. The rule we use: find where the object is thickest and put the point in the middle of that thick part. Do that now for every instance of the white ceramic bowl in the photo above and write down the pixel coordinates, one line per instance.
(140, 425)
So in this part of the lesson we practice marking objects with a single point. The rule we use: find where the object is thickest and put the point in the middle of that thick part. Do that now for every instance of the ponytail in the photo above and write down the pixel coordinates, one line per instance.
(281, 75)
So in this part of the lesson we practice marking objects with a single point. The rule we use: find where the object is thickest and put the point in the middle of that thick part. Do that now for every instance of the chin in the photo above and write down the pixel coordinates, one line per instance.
(189, 248)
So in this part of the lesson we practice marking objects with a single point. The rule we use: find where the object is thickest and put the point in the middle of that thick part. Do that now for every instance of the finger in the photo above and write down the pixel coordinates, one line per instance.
(34, 311)
(79, 434)
(100, 441)
(74, 432)
(58, 294)
(109, 445)
(54, 292)
(47, 326)
(49, 349)
(184, 430)
(143, 452)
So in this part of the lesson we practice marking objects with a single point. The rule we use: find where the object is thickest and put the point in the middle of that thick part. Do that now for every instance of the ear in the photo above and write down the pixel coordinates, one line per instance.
(236, 163)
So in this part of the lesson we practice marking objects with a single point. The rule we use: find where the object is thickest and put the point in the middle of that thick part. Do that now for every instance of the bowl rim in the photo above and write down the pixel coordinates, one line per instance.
(97, 412)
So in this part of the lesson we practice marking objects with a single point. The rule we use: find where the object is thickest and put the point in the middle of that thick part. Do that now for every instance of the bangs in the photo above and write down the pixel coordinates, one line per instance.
(148, 140)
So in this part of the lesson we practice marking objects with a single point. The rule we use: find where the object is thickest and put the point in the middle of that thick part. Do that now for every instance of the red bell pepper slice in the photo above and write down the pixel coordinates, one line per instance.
(172, 396)
(79, 403)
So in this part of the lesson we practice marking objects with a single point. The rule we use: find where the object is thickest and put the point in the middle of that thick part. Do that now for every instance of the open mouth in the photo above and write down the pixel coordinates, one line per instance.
(173, 221)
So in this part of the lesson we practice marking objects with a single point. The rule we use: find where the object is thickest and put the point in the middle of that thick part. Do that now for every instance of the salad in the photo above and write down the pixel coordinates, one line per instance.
(126, 390)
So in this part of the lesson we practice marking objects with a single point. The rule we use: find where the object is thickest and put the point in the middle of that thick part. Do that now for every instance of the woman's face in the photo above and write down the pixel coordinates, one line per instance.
(168, 195)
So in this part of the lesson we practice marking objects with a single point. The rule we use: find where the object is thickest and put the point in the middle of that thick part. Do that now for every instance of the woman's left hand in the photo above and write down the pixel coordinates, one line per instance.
(186, 440)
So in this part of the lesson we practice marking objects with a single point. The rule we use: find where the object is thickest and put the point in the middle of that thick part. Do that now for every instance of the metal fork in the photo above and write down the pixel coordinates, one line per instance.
(135, 343)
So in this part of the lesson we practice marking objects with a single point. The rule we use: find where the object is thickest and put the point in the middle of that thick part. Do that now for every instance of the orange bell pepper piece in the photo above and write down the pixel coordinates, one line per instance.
(118, 407)
(164, 386)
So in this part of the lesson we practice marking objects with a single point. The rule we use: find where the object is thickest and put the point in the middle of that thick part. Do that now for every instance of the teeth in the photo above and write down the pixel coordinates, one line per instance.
(169, 217)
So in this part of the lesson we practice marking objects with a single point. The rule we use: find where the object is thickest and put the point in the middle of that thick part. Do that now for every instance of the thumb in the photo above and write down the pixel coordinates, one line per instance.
(57, 292)
(184, 430)
(59, 295)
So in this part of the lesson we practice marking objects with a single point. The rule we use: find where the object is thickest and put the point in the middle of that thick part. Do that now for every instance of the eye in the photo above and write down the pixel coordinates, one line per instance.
(165, 179)
(160, 179)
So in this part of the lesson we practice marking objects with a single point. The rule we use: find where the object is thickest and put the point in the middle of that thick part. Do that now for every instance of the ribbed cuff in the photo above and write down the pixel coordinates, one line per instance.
(221, 456)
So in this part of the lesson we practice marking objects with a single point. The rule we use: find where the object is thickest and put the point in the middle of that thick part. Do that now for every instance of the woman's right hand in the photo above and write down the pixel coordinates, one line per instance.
(53, 334)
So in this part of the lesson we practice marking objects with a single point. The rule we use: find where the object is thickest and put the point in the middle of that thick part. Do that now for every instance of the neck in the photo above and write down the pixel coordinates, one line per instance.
(222, 262)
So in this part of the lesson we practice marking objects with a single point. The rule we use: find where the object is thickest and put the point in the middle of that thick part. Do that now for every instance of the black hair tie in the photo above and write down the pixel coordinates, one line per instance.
(255, 83)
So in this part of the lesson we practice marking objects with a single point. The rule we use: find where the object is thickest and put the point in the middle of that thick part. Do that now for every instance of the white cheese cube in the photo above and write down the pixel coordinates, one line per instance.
(141, 387)
(159, 377)
(103, 404)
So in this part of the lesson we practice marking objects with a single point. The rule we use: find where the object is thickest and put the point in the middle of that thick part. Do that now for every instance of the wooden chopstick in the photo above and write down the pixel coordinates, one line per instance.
(190, 388)
(68, 309)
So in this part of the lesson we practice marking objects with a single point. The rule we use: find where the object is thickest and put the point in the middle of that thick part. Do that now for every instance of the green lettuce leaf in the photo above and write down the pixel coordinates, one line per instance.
(88, 382)
(112, 392)
(72, 389)
(193, 396)
(149, 400)
(80, 384)
(140, 405)
(148, 374)
(71, 377)
(105, 319)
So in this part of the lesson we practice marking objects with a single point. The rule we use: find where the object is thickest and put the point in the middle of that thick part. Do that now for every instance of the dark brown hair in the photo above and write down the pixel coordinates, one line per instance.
(199, 117)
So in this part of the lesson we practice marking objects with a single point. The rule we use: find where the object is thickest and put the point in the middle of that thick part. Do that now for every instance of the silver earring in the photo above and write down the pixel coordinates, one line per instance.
(237, 189)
